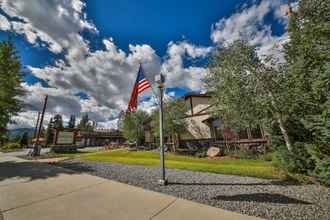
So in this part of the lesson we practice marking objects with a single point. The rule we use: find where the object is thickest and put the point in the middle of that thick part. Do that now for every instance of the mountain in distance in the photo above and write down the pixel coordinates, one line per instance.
(19, 132)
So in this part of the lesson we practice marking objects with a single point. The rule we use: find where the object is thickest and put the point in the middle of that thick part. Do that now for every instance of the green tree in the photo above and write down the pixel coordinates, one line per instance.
(49, 132)
(308, 58)
(174, 121)
(308, 55)
(85, 124)
(247, 91)
(72, 122)
(58, 122)
(133, 124)
(24, 141)
(10, 85)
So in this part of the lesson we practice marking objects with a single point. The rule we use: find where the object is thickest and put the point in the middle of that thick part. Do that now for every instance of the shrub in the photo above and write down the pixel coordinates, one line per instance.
(12, 145)
(297, 161)
(267, 156)
(242, 154)
(201, 152)
(322, 171)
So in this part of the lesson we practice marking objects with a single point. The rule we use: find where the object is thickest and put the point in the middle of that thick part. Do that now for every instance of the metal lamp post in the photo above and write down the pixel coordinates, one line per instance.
(160, 79)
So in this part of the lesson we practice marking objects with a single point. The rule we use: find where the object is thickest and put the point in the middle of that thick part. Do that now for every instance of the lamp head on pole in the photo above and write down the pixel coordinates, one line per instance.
(160, 80)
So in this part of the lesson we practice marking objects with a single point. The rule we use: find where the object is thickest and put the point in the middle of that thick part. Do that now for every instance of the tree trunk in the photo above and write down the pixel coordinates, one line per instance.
(174, 141)
(285, 134)
(281, 124)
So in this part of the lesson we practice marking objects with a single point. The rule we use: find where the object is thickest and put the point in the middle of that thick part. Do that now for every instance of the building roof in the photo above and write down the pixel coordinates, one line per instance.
(192, 94)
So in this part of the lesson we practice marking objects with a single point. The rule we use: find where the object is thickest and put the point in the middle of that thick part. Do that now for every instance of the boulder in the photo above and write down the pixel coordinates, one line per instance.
(213, 151)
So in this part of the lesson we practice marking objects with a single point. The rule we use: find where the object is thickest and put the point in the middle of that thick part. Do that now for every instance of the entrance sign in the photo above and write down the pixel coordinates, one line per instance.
(65, 137)
(65, 140)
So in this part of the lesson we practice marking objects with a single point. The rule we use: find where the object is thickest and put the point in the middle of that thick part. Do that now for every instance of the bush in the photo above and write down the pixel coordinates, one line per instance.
(322, 171)
(242, 154)
(10, 146)
(297, 161)
(267, 156)
(201, 152)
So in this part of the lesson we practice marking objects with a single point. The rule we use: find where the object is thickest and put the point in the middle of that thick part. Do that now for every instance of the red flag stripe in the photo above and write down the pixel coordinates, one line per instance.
(143, 82)
(144, 88)
(143, 85)
(140, 85)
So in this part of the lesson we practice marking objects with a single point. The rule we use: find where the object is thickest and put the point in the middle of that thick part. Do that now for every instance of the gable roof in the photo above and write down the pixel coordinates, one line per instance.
(192, 94)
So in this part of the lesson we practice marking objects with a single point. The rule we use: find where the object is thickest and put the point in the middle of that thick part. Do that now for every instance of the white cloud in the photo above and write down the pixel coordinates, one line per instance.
(249, 25)
(107, 75)
(56, 23)
(27, 119)
(4, 23)
(176, 74)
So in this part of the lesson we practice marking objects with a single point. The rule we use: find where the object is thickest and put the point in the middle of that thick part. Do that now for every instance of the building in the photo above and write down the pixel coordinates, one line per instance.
(205, 129)
(99, 137)
(202, 124)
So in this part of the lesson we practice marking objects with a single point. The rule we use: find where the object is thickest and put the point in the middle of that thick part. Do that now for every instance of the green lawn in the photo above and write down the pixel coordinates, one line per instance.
(254, 168)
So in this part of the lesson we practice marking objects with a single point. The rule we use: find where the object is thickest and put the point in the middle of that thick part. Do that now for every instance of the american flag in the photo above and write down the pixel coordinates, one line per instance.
(140, 85)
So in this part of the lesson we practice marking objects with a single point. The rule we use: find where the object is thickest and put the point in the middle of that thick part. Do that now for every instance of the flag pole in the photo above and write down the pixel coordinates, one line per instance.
(136, 123)
(160, 79)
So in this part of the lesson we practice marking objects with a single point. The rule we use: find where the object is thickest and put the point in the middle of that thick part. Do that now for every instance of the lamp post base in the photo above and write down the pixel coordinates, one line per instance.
(162, 182)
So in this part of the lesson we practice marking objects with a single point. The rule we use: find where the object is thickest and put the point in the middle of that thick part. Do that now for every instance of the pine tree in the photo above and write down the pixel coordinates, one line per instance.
(24, 139)
(10, 85)
(49, 132)
(58, 122)
(85, 124)
(72, 122)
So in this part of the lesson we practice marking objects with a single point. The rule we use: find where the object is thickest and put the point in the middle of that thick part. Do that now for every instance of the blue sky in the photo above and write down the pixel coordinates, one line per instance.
(86, 53)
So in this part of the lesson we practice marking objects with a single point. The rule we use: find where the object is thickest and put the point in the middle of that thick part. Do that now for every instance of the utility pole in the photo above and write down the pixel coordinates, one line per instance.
(37, 147)
(36, 128)
(160, 79)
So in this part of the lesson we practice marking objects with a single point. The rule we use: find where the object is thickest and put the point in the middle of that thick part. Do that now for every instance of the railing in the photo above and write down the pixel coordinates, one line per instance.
(205, 143)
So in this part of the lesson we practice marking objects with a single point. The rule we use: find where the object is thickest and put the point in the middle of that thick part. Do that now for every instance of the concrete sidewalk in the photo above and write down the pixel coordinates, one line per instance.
(32, 191)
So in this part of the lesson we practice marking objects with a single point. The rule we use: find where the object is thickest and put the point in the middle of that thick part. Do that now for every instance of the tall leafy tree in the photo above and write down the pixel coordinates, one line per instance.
(10, 85)
(248, 91)
(133, 125)
(308, 57)
(174, 120)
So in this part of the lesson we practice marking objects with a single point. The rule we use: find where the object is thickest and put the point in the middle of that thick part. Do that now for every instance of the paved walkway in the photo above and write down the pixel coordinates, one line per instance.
(34, 190)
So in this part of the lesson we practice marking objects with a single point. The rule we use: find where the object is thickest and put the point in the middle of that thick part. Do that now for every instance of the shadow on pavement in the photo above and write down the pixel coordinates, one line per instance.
(262, 197)
(32, 170)
(275, 182)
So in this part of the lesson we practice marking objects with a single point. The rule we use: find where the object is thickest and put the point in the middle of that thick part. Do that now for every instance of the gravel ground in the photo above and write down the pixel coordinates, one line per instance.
(257, 197)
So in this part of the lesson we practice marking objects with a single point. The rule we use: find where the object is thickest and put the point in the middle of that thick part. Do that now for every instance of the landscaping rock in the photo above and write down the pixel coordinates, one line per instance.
(213, 152)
